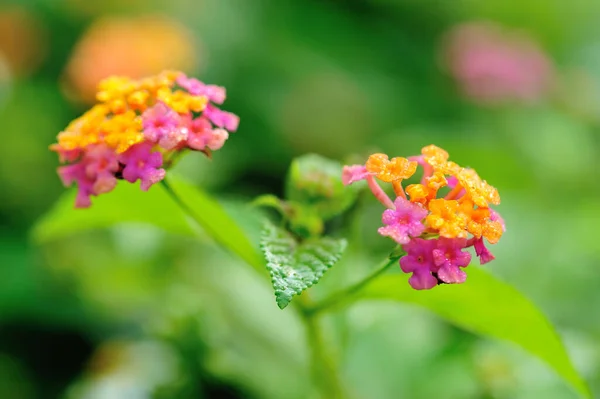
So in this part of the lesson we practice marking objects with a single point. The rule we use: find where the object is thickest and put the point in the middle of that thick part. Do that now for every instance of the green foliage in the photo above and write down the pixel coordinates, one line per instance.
(271, 201)
(303, 220)
(487, 306)
(216, 222)
(314, 193)
(298, 90)
(294, 266)
(316, 181)
(127, 203)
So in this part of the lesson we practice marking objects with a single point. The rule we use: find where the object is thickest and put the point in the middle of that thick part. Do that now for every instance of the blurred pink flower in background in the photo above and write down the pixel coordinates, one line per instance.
(129, 46)
(492, 64)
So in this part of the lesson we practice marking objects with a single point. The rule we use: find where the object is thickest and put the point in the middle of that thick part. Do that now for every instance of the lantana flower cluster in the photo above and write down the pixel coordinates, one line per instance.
(136, 130)
(434, 231)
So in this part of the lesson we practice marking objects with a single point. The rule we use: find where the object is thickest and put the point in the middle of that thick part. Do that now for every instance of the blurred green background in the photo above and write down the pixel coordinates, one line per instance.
(133, 312)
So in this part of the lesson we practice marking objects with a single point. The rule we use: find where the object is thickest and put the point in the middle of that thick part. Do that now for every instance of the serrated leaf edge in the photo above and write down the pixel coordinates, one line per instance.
(269, 231)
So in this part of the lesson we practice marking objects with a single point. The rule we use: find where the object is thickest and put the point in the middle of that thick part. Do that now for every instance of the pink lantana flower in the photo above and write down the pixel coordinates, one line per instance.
(94, 174)
(419, 261)
(100, 165)
(75, 173)
(217, 139)
(199, 132)
(202, 135)
(403, 222)
(449, 257)
(162, 125)
(142, 164)
(221, 118)
(482, 252)
(214, 93)
(354, 173)
(495, 217)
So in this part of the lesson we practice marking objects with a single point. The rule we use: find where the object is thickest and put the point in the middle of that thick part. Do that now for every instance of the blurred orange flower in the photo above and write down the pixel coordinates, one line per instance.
(128, 46)
(22, 40)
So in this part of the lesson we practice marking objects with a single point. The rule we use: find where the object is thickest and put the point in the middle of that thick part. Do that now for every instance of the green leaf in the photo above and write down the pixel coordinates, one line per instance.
(157, 207)
(487, 306)
(126, 203)
(296, 266)
(317, 182)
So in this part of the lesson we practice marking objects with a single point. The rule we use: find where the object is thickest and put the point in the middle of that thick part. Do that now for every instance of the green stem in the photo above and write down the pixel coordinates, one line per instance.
(186, 209)
(323, 368)
(171, 159)
(345, 294)
(253, 259)
(324, 371)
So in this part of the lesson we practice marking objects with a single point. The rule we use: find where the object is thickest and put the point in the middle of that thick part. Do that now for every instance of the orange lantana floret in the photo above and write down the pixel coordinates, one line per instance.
(418, 193)
(446, 219)
(435, 156)
(479, 222)
(477, 189)
(436, 181)
(451, 168)
(423, 193)
(390, 170)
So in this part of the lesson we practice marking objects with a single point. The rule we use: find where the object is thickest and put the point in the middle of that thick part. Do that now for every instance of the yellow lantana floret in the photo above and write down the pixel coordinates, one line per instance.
(115, 87)
(180, 101)
(122, 131)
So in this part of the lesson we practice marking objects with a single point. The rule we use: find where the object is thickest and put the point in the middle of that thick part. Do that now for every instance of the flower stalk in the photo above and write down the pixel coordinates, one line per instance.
(324, 370)
(342, 296)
